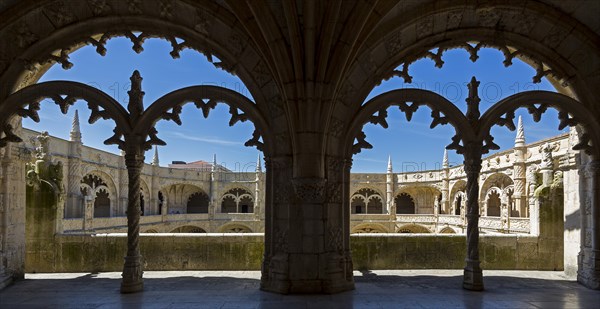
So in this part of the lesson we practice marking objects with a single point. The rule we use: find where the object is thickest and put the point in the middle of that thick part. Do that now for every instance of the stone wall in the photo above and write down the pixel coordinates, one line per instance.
(413, 251)
(572, 219)
(85, 253)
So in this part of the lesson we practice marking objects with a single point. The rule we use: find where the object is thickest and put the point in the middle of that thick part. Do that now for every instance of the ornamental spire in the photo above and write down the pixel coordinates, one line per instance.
(445, 163)
(75, 134)
(389, 168)
(258, 165)
(520, 138)
(214, 165)
(155, 157)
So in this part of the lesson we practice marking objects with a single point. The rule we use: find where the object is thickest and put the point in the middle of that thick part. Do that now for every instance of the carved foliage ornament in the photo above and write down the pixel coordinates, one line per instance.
(25, 37)
(309, 190)
(473, 49)
(565, 119)
(408, 108)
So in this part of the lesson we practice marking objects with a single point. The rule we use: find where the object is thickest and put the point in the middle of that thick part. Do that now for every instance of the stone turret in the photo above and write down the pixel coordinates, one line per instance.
(74, 201)
(258, 209)
(155, 160)
(390, 188)
(75, 134)
(154, 206)
(445, 204)
(519, 173)
(212, 207)
(258, 165)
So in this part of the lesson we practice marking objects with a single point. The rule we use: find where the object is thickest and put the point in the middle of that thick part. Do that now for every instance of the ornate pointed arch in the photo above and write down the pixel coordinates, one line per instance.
(26, 103)
(442, 111)
(206, 98)
(499, 180)
(208, 28)
(570, 113)
(531, 33)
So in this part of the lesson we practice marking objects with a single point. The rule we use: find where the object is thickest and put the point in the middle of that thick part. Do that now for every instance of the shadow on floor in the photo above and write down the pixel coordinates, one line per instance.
(374, 289)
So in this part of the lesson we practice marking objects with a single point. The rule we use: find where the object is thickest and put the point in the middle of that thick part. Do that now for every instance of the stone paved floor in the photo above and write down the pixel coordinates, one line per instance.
(239, 289)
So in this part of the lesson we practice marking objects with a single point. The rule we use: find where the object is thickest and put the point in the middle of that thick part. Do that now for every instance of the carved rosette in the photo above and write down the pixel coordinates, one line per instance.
(309, 190)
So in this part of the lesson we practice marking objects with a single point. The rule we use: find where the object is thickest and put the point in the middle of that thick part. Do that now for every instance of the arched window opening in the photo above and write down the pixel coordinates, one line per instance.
(188, 229)
(161, 200)
(234, 200)
(367, 201)
(457, 205)
(101, 204)
(405, 204)
(198, 203)
(493, 204)
(93, 187)
(142, 203)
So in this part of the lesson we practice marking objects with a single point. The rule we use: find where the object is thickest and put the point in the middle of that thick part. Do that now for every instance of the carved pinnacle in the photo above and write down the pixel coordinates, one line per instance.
(473, 101)
(136, 95)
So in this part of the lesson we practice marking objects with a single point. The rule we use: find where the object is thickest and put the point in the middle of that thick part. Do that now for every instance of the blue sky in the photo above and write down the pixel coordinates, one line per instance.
(412, 146)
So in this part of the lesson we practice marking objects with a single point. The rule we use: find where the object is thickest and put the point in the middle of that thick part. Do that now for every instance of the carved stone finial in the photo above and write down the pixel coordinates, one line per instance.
(520, 139)
(155, 160)
(445, 163)
(75, 134)
(41, 151)
(136, 95)
(546, 151)
(258, 165)
(389, 168)
(214, 165)
(473, 101)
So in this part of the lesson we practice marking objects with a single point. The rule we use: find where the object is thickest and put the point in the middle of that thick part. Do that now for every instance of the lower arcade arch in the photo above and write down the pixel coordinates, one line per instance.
(188, 229)
(447, 230)
(369, 228)
(413, 229)
(234, 228)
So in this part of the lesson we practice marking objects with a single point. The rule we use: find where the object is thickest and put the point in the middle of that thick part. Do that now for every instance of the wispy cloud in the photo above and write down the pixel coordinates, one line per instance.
(370, 160)
(203, 139)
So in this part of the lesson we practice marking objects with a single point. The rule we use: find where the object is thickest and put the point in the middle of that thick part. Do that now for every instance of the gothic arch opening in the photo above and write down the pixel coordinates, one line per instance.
(198, 203)
(237, 200)
(404, 204)
(367, 201)
(413, 228)
(93, 188)
(177, 197)
(492, 203)
(188, 229)
(235, 228)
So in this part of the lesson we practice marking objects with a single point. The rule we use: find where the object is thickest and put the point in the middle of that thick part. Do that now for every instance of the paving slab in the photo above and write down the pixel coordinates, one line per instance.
(240, 289)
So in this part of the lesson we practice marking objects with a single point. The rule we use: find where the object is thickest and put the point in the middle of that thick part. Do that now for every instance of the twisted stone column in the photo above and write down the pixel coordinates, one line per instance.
(132, 270)
(473, 275)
